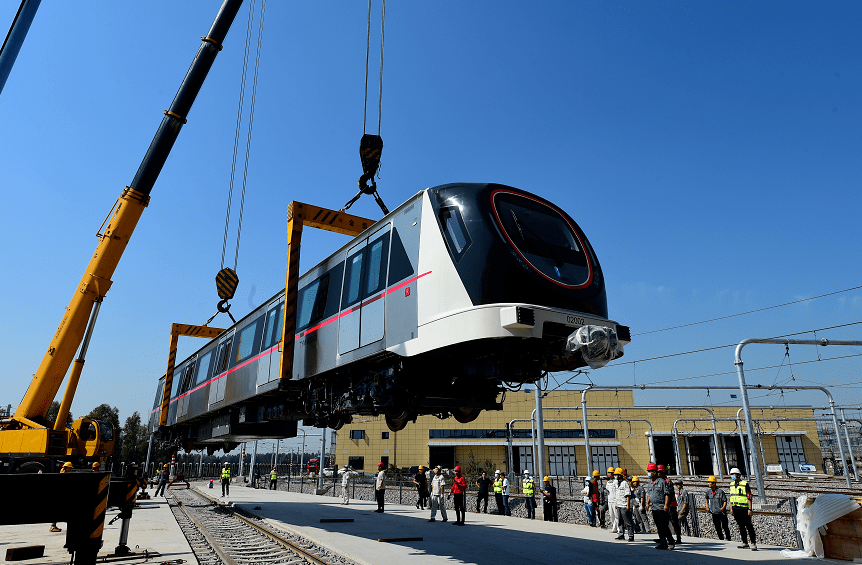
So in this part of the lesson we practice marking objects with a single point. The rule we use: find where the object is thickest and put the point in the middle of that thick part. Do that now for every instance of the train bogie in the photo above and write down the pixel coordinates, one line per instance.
(458, 293)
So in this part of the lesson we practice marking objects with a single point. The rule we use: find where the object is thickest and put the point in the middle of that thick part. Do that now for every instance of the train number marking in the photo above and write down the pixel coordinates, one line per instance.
(574, 320)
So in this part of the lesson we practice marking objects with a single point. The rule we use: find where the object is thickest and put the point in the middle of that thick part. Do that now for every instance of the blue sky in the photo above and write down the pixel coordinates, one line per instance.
(712, 153)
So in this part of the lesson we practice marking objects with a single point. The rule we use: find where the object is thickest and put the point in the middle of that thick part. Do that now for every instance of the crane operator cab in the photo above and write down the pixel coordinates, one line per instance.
(91, 440)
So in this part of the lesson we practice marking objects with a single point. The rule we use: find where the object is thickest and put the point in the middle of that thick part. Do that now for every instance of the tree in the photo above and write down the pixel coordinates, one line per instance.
(134, 442)
(107, 413)
(53, 410)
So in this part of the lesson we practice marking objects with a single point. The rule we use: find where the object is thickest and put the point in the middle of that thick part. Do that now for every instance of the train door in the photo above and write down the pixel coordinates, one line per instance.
(268, 366)
(218, 386)
(362, 297)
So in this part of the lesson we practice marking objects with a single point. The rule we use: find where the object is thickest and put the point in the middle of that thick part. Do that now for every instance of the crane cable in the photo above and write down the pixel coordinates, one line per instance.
(371, 146)
(227, 279)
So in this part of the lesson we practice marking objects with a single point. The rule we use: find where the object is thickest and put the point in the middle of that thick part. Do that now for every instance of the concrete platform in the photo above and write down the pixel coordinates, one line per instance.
(485, 539)
(153, 527)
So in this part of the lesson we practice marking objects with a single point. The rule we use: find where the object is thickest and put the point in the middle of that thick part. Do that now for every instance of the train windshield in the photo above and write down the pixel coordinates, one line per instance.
(543, 238)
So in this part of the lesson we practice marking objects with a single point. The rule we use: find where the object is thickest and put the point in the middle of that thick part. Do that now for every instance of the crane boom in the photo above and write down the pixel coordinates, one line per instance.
(123, 219)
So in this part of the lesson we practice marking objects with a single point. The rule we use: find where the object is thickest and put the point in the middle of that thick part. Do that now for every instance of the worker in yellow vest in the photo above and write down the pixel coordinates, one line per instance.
(225, 480)
(273, 479)
(498, 491)
(740, 504)
(527, 487)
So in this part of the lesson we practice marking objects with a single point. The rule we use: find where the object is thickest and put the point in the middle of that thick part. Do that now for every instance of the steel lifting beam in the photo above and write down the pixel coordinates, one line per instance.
(176, 331)
(299, 215)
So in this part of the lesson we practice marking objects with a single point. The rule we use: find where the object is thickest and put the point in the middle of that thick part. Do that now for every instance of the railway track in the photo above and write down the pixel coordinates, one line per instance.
(220, 535)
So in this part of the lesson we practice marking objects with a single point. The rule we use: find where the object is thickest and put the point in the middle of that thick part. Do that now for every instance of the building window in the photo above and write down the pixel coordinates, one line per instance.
(385, 461)
(356, 463)
(357, 434)
(384, 435)
(520, 434)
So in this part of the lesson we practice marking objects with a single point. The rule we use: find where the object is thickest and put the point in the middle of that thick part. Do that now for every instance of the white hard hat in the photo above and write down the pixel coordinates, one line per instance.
(497, 472)
(735, 471)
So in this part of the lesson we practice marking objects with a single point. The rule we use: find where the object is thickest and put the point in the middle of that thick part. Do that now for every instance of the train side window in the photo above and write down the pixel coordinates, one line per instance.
(223, 356)
(334, 297)
(158, 400)
(312, 302)
(352, 279)
(376, 271)
(204, 367)
(248, 343)
(455, 232)
(187, 377)
(400, 266)
(177, 380)
(274, 322)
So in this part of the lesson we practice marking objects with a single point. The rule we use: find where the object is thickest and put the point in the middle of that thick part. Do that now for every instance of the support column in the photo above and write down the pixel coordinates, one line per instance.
(540, 436)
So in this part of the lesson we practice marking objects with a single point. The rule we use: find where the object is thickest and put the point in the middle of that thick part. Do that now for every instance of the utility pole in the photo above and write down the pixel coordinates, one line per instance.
(540, 436)
(320, 461)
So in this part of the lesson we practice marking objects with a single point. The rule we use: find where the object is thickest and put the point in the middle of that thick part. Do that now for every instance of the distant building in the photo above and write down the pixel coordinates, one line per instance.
(618, 431)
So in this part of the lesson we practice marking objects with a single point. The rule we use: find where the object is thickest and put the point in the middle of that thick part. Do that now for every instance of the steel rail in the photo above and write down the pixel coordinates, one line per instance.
(214, 545)
(287, 544)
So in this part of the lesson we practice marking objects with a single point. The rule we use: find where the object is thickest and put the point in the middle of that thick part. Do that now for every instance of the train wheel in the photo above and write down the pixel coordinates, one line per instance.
(397, 424)
(465, 415)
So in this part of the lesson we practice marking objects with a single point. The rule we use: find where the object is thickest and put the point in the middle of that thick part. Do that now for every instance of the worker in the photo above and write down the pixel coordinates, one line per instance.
(498, 492)
(256, 477)
(163, 481)
(740, 505)
(603, 498)
(639, 504)
(97, 467)
(683, 507)
(594, 497)
(716, 501)
(611, 488)
(225, 480)
(622, 493)
(421, 482)
(658, 500)
(459, 491)
(438, 487)
(506, 495)
(66, 468)
(380, 486)
(179, 478)
(672, 512)
(273, 479)
(483, 483)
(549, 500)
(347, 475)
(527, 487)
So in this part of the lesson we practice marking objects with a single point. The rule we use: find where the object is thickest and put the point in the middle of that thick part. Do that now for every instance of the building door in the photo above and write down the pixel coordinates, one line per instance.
(733, 454)
(664, 454)
(699, 453)
(605, 456)
(525, 460)
(563, 461)
(443, 456)
(790, 452)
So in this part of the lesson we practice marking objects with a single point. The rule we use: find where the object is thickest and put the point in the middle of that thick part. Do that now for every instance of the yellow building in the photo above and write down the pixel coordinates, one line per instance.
(619, 435)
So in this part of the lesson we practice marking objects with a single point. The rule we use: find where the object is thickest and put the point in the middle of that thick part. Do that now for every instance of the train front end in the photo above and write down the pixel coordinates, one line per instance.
(533, 293)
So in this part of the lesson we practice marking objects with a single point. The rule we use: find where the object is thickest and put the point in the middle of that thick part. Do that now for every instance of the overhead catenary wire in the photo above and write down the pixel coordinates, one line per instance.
(749, 311)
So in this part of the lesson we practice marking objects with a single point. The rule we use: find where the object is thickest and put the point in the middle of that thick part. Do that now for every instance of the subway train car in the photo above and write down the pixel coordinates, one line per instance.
(459, 294)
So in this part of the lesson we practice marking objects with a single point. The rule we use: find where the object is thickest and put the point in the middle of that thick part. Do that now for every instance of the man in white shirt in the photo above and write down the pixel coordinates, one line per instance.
(506, 495)
(438, 491)
(380, 487)
(347, 475)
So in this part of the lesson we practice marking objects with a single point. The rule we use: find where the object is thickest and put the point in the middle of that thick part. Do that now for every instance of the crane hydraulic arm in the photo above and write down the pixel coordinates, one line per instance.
(118, 229)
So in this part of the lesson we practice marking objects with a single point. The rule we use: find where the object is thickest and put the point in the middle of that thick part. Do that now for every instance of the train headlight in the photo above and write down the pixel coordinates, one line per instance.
(596, 344)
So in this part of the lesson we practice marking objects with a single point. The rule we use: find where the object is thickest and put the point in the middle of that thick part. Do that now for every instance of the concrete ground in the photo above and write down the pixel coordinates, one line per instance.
(485, 539)
(153, 527)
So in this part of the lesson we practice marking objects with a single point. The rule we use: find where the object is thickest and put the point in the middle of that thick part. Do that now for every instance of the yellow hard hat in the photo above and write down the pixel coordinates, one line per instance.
(618, 471)
(635, 479)
(611, 470)
(67, 464)
(712, 479)
(166, 465)
(96, 464)
(546, 480)
(421, 467)
(596, 473)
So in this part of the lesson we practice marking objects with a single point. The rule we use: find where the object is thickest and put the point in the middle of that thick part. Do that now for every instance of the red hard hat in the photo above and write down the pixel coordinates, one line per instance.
(380, 464)
(651, 466)
(457, 468)
(661, 468)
